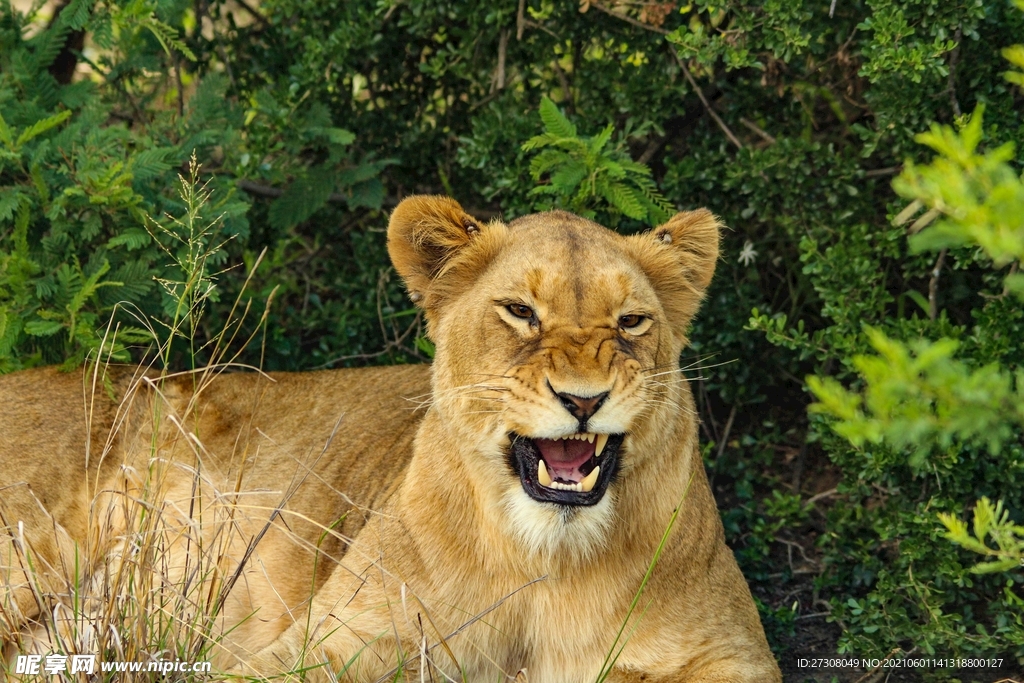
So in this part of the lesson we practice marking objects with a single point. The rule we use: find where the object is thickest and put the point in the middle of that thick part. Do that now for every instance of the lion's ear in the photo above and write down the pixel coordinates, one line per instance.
(679, 258)
(427, 235)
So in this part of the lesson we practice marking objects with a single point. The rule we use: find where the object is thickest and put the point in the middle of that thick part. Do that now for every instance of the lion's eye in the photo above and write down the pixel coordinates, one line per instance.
(520, 311)
(627, 322)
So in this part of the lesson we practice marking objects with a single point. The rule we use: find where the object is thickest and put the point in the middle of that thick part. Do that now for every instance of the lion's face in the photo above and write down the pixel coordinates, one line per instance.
(554, 342)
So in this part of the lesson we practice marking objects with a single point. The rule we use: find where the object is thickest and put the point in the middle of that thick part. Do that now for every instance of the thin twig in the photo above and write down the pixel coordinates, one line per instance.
(260, 19)
(628, 20)
(499, 76)
(812, 615)
(1006, 285)
(798, 469)
(273, 192)
(725, 434)
(757, 129)
(707, 105)
(181, 93)
(564, 82)
(819, 496)
(954, 57)
(933, 286)
(520, 20)
(652, 148)
(876, 172)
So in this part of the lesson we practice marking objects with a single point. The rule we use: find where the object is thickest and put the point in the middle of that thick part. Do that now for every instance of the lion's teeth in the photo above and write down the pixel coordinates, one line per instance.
(559, 486)
(542, 474)
(602, 439)
(587, 485)
(590, 437)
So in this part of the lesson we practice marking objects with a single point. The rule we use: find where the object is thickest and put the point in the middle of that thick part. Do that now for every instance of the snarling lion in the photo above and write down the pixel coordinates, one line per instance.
(532, 506)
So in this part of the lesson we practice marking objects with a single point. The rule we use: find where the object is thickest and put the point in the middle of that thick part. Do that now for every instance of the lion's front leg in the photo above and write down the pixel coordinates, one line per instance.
(333, 652)
(739, 670)
(717, 672)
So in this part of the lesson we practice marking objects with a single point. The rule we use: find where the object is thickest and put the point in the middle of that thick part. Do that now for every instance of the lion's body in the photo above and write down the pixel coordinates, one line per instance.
(451, 563)
(254, 436)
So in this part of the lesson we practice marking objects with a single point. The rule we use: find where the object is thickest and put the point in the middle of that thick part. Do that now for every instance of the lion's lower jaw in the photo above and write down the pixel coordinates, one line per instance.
(547, 531)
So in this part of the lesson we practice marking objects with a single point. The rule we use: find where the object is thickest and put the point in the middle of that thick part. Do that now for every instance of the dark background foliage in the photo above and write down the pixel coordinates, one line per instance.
(787, 118)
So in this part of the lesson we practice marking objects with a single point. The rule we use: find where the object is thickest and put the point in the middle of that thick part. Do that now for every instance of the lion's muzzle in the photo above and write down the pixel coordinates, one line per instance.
(575, 470)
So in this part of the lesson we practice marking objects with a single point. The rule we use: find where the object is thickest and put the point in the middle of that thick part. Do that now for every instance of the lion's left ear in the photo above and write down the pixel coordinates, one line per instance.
(428, 237)
(679, 258)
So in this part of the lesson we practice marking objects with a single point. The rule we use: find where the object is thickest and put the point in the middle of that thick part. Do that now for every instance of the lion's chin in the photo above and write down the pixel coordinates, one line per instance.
(559, 532)
(574, 471)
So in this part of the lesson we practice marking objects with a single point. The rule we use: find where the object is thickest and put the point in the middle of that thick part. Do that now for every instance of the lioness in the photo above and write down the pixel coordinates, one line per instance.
(510, 537)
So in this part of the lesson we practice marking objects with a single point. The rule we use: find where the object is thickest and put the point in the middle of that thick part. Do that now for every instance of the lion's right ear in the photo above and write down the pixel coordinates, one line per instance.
(679, 257)
(428, 237)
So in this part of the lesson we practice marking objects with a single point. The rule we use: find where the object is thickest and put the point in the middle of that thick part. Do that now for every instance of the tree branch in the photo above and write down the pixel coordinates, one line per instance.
(758, 130)
(628, 20)
(704, 101)
(954, 57)
(933, 286)
(499, 75)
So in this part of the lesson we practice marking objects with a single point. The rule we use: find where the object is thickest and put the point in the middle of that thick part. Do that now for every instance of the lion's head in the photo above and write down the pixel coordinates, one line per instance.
(555, 337)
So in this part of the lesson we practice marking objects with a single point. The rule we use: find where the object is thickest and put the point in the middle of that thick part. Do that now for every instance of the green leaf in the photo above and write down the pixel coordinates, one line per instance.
(542, 140)
(554, 121)
(920, 300)
(567, 178)
(43, 328)
(150, 163)
(5, 133)
(598, 142)
(622, 197)
(340, 136)
(425, 346)
(40, 127)
(369, 194)
(76, 13)
(1003, 565)
(133, 238)
(168, 37)
(302, 199)
(10, 198)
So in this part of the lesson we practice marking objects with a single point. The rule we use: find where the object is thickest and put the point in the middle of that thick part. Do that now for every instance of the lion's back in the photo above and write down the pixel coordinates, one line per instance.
(353, 427)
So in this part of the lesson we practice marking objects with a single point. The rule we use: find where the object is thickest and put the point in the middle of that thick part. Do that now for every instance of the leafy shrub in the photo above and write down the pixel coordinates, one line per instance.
(87, 176)
(582, 172)
(917, 397)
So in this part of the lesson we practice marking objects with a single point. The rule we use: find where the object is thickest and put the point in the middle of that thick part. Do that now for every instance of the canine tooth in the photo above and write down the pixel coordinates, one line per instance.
(587, 485)
(542, 474)
(602, 439)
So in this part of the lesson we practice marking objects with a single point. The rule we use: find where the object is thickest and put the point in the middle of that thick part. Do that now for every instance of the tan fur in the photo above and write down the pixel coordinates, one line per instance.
(450, 562)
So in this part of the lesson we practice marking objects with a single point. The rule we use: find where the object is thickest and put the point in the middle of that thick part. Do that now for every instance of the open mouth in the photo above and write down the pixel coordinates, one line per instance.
(575, 470)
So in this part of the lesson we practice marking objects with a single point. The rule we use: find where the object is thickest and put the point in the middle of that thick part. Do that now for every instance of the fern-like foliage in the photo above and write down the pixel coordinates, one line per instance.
(84, 166)
(587, 175)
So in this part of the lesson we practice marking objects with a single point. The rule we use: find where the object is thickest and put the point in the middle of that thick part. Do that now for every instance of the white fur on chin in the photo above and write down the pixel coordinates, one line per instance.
(553, 531)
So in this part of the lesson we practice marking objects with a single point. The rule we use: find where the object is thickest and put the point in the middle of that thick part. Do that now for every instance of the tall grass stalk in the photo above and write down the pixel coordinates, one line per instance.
(615, 651)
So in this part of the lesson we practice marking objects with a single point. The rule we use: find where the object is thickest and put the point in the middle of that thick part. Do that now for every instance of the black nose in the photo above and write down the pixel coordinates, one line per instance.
(582, 408)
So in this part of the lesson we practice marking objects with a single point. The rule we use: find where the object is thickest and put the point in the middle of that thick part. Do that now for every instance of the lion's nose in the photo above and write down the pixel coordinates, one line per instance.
(580, 407)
